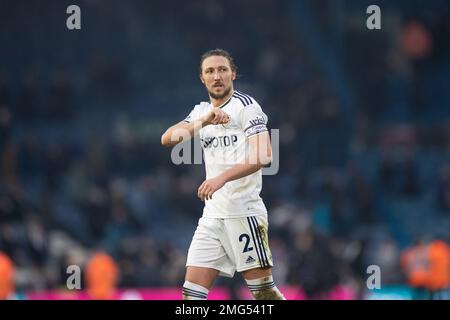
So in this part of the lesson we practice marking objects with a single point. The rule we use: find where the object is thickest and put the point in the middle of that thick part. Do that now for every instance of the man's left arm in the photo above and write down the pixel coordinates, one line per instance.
(260, 155)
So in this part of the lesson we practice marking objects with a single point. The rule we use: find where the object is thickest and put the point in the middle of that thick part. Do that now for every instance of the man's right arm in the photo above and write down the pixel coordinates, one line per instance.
(184, 130)
(180, 132)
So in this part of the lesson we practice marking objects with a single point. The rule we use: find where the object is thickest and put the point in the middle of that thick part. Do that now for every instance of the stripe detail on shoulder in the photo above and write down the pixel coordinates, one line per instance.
(242, 100)
(245, 99)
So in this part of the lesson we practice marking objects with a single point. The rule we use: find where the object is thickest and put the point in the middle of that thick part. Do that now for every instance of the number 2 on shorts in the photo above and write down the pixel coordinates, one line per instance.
(247, 242)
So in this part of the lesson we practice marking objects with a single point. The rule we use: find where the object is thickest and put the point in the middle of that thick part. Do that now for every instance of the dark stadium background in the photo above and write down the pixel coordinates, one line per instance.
(364, 120)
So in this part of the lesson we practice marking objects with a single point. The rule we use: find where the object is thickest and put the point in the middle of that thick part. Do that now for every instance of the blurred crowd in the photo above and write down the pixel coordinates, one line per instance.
(82, 170)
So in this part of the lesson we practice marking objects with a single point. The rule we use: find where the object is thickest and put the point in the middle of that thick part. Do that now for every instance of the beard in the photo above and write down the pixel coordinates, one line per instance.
(219, 96)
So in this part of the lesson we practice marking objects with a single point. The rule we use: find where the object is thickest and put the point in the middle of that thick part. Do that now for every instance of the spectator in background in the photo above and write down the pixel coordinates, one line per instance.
(6, 277)
(415, 266)
(101, 276)
(416, 43)
(439, 282)
(427, 268)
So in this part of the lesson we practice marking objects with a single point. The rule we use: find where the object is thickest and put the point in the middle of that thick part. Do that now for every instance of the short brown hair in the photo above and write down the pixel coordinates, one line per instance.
(218, 52)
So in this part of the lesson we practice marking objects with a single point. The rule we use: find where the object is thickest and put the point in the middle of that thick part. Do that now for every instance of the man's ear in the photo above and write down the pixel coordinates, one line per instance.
(201, 78)
(234, 75)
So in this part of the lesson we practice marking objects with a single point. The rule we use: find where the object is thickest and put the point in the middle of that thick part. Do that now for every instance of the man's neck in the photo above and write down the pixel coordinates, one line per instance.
(216, 103)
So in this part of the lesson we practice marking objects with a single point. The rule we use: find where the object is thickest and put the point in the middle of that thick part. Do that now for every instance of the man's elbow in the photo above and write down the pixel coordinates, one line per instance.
(265, 161)
(165, 140)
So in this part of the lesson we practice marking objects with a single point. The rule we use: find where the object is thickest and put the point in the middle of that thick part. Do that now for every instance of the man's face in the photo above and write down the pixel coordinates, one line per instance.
(217, 76)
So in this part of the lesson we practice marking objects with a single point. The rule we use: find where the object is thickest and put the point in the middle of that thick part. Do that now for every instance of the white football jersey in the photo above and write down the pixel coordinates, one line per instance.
(225, 145)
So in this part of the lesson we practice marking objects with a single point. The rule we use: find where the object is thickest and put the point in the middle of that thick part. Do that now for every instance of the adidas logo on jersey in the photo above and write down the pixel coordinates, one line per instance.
(250, 259)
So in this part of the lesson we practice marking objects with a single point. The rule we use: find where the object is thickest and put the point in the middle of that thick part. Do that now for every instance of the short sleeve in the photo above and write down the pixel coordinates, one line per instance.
(193, 115)
(254, 120)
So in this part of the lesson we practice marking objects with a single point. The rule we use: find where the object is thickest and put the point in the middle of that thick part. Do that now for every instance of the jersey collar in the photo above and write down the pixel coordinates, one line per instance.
(226, 102)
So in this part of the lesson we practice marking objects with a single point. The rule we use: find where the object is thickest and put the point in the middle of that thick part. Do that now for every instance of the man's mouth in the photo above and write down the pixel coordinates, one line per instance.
(218, 85)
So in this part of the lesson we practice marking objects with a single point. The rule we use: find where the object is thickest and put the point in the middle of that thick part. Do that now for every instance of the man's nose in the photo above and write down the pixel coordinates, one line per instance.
(216, 75)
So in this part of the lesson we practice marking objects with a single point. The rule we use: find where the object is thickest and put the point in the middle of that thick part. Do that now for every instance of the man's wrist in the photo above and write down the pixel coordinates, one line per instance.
(223, 177)
(204, 122)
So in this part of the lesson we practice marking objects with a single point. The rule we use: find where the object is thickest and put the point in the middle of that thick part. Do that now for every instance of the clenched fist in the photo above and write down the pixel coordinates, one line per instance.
(216, 116)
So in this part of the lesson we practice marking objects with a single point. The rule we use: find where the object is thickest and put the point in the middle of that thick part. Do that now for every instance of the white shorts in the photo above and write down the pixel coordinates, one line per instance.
(231, 244)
